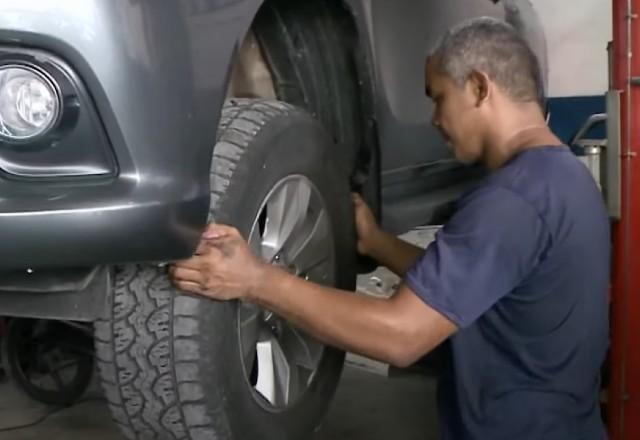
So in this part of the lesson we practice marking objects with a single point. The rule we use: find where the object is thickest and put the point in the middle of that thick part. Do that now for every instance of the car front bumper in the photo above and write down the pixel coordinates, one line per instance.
(154, 81)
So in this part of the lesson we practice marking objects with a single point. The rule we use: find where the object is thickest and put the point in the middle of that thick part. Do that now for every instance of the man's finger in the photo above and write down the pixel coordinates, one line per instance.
(225, 247)
(187, 274)
(195, 262)
(188, 286)
(358, 200)
(216, 230)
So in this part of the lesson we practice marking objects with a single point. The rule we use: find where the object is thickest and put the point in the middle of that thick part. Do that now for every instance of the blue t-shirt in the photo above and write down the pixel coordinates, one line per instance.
(522, 269)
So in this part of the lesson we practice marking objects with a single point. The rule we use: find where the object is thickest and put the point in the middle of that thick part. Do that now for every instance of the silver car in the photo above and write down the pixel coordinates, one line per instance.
(125, 125)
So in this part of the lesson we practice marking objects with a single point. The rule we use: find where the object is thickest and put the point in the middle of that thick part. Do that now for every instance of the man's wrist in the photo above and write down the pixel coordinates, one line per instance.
(377, 244)
(266, 278)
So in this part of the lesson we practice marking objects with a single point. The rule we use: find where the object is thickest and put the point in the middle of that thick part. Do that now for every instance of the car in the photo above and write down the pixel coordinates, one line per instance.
(126, 126)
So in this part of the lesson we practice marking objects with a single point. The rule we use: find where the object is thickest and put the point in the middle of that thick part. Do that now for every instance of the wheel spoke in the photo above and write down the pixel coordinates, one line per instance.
(55, 375)
(274, 372)
(316, 248)
(249, 333)
(255, 240)
(286, 212)
(286, 375)
(64, 365)
(75, 350)
(302, 350)
(291, 230)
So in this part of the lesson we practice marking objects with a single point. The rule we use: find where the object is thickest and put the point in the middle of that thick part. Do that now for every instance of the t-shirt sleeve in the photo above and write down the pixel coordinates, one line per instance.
(489, 246)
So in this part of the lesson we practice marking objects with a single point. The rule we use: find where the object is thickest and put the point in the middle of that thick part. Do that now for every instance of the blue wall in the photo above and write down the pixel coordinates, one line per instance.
(568, 114)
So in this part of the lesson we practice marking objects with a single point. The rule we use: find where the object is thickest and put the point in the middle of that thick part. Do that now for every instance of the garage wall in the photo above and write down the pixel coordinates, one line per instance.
(577, 35)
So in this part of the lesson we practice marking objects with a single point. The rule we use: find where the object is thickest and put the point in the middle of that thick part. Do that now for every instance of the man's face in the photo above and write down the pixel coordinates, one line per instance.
(456, 113)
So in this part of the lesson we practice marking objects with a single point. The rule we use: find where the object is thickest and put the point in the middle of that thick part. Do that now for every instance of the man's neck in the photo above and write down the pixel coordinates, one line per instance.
(516, 137)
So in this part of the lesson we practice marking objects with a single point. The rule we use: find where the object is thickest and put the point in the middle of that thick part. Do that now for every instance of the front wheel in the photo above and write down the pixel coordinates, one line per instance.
(179, 367)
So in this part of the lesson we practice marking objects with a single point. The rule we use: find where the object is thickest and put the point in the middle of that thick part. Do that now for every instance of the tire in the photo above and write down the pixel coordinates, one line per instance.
(27, 349)
(310, 48)
(170, 363)
(316, 62)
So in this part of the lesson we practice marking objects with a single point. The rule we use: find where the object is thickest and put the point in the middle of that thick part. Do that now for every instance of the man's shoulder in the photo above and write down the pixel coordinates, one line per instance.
(535, 165)
(494, 203)
(543, 176)
(495, 191)
(550, 182)
(542, 182)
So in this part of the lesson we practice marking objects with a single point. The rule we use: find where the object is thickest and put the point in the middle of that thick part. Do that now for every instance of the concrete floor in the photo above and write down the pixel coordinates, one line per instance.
(367, 406)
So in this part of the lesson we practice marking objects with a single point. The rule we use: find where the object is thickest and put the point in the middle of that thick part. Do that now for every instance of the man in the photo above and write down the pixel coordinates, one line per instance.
(516, 280)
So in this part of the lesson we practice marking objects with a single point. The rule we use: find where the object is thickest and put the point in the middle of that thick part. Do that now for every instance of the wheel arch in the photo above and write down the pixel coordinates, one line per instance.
(250, 75)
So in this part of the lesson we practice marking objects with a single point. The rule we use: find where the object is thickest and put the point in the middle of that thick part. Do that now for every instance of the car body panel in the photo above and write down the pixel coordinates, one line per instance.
(157, 73)
(419, 174)
(400, 34)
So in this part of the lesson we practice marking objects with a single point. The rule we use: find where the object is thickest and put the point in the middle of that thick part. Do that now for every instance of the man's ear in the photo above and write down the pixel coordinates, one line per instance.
(480, 86)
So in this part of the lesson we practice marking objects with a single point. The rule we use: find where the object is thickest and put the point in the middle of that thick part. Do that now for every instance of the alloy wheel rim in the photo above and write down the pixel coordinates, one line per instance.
(292, 231)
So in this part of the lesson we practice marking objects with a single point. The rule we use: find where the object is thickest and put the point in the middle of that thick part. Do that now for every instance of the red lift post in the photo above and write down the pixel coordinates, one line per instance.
(624, 396)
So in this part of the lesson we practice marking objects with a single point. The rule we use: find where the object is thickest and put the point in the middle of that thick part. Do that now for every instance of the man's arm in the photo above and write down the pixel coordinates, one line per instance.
(387, 249)
(395, 254)
(398, 330)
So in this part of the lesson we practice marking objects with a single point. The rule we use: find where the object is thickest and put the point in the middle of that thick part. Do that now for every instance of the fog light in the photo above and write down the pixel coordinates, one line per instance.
(29, 103)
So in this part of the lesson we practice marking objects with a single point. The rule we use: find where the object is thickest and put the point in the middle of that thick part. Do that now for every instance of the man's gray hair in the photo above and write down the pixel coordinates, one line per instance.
(494, 47)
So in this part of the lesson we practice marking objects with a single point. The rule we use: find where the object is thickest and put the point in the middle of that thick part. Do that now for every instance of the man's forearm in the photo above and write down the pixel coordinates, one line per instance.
(394, 253)
(348, 321)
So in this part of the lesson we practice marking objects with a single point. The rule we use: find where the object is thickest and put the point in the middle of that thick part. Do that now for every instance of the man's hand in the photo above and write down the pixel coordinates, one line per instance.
(386, 249)
(366, 226)
(222, 268)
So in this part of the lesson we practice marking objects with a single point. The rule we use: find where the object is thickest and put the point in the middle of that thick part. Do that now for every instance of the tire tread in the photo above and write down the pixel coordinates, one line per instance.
(146, 352)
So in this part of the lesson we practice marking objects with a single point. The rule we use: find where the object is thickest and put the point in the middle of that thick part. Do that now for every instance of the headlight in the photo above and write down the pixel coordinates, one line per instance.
(29, 103)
